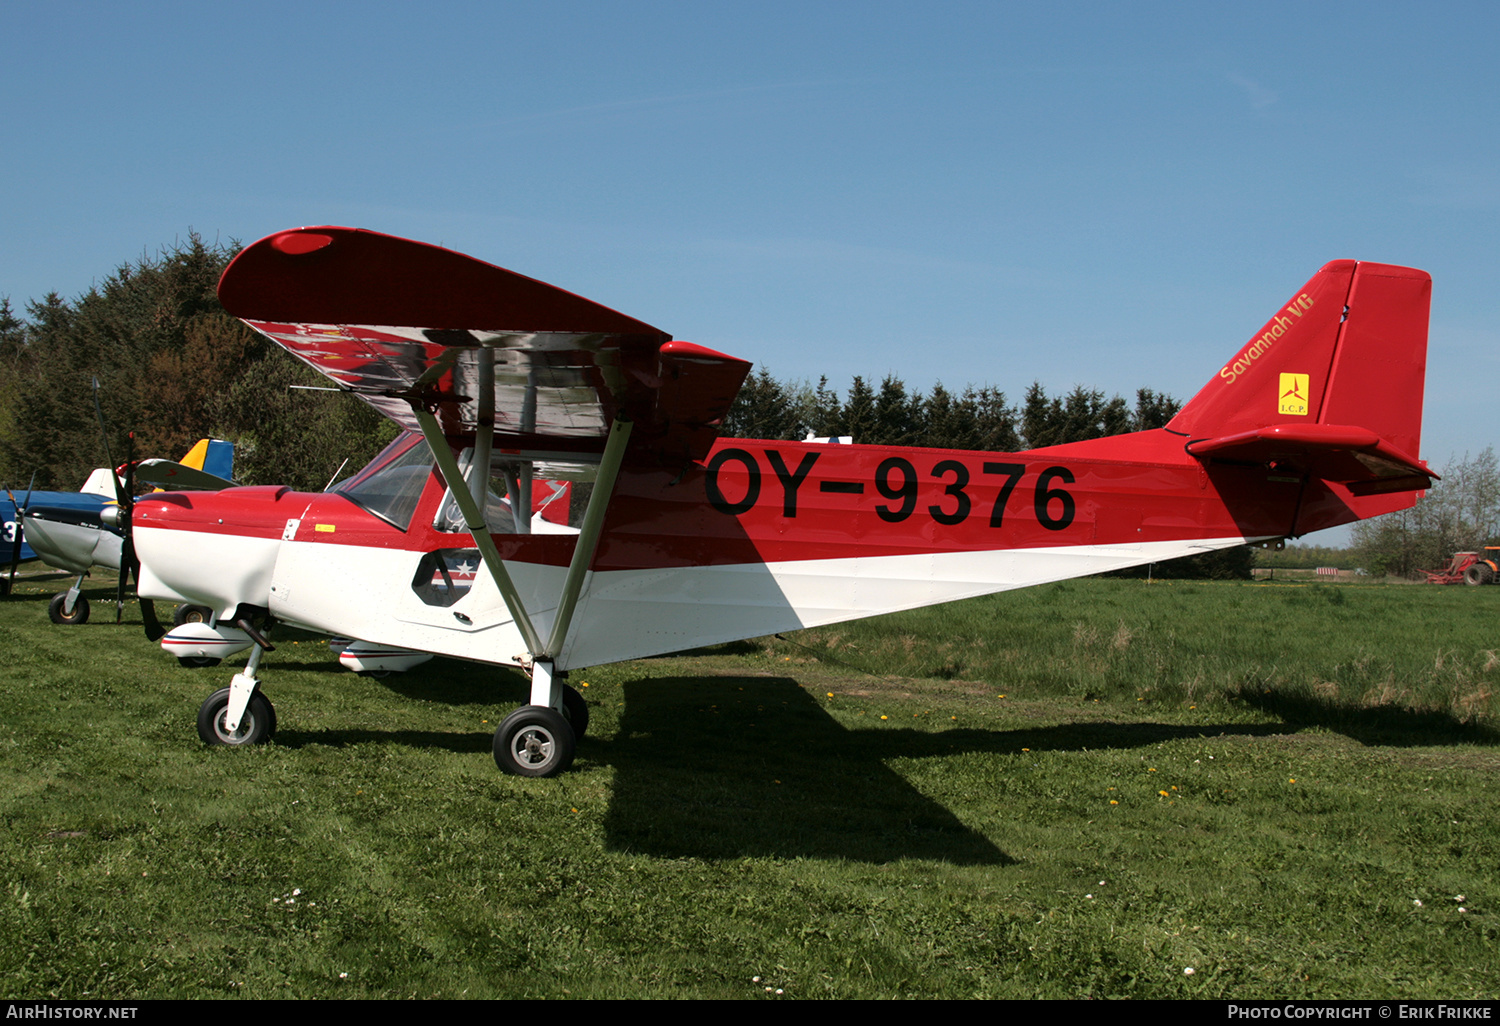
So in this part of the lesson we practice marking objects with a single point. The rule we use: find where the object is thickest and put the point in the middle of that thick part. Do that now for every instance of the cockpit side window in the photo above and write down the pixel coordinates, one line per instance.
(392, 484)
(497, 513)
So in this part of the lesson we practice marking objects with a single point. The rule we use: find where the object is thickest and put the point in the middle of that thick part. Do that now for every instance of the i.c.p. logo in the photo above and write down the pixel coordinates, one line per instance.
(1292, 395)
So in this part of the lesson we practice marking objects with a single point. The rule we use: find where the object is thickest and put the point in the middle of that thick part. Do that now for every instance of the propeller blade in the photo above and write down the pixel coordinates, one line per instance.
(154, 629)
(128, 562)
(109, 461)
(20, 535)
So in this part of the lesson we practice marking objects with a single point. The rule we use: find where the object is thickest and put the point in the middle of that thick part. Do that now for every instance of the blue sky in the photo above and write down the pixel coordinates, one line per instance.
(1113, 195)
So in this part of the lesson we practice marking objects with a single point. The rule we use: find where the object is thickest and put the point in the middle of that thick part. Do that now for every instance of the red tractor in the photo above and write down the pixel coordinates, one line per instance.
(1486, 567)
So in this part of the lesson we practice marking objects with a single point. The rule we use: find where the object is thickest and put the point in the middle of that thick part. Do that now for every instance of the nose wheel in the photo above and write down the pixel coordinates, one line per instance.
(256, 725)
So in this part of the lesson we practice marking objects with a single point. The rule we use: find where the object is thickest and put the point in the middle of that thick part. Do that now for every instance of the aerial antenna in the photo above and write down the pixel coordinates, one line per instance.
(336, 473)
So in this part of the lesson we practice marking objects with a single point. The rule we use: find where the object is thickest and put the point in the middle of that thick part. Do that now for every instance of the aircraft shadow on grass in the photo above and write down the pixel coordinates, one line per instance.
(726, 767)
(1376, 725)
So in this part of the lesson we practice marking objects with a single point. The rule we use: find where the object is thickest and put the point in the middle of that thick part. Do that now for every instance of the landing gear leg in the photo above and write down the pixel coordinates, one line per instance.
(547, 688)
(69, 607)
(239, 714)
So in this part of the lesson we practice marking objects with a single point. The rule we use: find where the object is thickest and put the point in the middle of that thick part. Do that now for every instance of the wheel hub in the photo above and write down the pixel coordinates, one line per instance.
(234, 737)
(534, 746)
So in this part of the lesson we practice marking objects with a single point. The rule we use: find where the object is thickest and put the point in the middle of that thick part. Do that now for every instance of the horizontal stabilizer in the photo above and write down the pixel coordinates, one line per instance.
(1355, 457)
(175, 477)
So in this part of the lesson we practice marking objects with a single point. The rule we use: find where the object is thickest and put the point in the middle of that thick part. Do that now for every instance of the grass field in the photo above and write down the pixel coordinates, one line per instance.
(1099, 788)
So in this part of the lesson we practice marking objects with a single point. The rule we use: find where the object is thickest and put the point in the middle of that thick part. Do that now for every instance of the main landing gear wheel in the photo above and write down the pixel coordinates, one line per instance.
(197, 662)
(576, 711)
(534, 741)
(80, 609)
(188, 613)
(257, 725)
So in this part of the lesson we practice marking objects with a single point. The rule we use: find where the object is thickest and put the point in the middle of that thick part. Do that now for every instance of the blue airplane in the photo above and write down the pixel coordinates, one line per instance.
(71, 530)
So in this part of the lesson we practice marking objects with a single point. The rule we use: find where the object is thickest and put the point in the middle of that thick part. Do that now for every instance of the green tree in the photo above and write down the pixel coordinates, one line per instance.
(173, 367)
(898, 417)
(762, 409)
(858, 419)
(14, 369)
(1153, 410)
(1460, 513)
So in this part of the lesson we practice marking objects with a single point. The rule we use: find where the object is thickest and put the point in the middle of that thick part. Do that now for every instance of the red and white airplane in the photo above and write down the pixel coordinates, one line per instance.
(691, 540)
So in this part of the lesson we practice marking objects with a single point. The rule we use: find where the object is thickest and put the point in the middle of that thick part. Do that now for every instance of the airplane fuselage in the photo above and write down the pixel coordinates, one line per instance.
(761, 536)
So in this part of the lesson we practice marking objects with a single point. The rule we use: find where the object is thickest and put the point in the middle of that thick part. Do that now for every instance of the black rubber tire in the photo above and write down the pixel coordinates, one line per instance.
(258, 724)
(1479, 573)
(189, 613)
(534, 741)
(197, 662)
(576, 711)
(80, 610)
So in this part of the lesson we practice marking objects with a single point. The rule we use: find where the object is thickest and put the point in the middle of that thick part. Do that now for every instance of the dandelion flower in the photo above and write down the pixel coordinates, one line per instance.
(1113, 802)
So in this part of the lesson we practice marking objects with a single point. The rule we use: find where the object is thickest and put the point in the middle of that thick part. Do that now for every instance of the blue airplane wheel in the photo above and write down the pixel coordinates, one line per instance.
(534, 741)
(257, 725)
(80, 609)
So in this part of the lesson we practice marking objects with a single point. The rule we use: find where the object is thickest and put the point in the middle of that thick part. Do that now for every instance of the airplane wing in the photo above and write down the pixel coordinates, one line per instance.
(408, 326)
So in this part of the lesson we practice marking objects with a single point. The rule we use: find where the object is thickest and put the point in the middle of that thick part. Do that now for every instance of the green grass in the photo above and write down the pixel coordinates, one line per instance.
(853, 812)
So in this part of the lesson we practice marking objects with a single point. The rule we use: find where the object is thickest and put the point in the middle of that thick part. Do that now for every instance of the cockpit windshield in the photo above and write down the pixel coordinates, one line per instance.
(392, 483)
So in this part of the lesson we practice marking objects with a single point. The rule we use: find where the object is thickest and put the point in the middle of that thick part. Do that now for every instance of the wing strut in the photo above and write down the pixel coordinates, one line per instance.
(588, 535)
(583, 551)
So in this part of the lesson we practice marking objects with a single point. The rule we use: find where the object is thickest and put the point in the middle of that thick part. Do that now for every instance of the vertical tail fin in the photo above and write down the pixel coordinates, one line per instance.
(1332, 382)
(211, 456)
(1349, 348)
